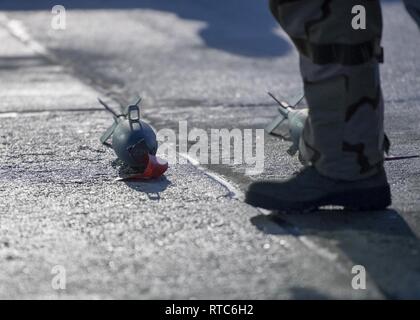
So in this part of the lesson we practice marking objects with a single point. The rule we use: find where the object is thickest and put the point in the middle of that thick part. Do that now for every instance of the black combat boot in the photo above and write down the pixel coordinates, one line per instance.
(309, 190)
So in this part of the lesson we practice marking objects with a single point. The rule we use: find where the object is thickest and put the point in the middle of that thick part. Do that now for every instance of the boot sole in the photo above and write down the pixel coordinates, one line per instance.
(371, 199)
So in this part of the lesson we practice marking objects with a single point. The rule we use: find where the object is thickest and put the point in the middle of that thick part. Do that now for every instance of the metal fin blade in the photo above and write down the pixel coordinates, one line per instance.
(138, 101)
(108, 133)
(275, 123)
(108, 108)
(294, 101)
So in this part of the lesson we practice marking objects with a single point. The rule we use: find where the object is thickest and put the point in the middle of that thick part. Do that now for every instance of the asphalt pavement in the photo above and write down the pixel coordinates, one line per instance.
(186, 235)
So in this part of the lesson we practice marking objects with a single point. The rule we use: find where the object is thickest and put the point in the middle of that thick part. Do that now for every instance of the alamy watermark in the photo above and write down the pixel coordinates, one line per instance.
(359, 280)
(59, 280)
(359, 20)
(215, 146)
(59, 18)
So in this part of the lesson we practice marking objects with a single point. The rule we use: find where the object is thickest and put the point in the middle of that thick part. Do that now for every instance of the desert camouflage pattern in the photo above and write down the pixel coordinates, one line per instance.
(344, 135)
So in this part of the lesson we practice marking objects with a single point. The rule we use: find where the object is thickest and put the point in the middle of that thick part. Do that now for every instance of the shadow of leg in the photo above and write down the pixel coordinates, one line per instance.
(380, 241)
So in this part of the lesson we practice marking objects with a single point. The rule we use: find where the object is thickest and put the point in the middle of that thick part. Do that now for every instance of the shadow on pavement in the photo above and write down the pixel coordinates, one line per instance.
(380, 241)
(152, 188)
(242, 27)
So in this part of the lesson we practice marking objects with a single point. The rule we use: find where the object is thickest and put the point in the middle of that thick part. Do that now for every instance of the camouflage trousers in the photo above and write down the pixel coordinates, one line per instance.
(344, 135)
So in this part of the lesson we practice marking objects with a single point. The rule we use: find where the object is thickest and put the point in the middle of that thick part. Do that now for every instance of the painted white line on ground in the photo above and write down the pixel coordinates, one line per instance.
(238, 194)
(18, 30)
(234, 191)
(23, 114)
(8, 115)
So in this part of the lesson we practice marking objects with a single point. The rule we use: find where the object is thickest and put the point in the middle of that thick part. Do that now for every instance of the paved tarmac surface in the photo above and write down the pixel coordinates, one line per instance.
(184, 236)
